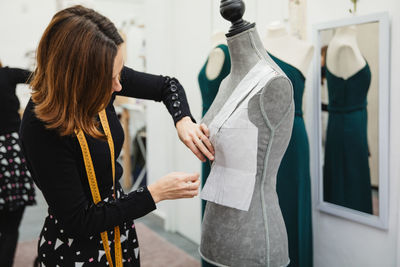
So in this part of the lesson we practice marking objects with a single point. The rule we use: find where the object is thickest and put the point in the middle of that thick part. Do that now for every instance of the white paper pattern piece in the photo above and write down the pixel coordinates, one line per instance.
(235, 140)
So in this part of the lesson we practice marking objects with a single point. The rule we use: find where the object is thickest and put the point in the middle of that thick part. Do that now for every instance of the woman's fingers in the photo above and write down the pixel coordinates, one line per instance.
(200, 145)
(191, 194)
(193, 186)
(206, 137)
(207, 143)
(204, 129)
(195, 137)
(194, 177)
(175, 185)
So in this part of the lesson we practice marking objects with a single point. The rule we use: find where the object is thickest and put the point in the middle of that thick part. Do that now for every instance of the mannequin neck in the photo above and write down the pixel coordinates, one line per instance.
(246, 50)
(349, 32)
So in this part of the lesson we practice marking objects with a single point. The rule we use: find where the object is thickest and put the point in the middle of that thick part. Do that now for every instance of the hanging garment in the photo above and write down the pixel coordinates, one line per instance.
(293, 183)
(209, 89)
(347, 180)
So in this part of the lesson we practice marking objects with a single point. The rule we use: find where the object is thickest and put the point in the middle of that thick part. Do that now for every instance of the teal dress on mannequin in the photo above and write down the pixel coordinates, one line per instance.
(293, 179)
(347, 180)
(209, 89)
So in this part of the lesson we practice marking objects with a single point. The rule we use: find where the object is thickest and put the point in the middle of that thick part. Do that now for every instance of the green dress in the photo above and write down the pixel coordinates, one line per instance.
(293, 179)
(209, 90)
(347, 180)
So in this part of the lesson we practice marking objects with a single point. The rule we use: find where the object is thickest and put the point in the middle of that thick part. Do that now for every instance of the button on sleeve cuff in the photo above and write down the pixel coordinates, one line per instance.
(137, 203)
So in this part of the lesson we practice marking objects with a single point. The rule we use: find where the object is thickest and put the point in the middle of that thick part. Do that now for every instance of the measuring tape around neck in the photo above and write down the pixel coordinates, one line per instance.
(95, 189)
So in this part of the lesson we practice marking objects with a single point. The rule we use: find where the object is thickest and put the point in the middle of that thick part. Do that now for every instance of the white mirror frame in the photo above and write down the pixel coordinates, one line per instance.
(380, 221)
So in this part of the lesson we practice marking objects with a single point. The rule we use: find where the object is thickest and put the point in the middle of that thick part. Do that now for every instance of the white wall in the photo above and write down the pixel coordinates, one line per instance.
(22, 23)
(339, 242)
(175, 46)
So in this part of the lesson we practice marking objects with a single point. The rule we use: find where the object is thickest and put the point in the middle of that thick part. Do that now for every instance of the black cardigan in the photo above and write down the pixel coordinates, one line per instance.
(9, 103)
(57, 166)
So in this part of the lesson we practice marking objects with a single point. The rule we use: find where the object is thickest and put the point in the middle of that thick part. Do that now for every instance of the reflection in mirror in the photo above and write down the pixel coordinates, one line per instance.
(349, 117)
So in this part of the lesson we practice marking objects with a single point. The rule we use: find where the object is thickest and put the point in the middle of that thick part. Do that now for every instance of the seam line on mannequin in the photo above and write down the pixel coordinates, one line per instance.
(252, 41)
(264, 209)
(272, 129)
(264, 175)
(210, 261)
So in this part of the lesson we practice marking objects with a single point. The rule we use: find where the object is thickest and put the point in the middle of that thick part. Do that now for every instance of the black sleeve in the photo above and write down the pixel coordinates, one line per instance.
(159, 88)
(19, 75)
(53, 164)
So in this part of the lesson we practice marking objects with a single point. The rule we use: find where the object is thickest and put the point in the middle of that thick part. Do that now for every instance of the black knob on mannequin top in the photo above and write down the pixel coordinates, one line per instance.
(233, 11)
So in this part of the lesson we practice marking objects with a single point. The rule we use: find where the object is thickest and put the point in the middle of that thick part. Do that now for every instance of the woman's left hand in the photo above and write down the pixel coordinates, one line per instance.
(195, 137)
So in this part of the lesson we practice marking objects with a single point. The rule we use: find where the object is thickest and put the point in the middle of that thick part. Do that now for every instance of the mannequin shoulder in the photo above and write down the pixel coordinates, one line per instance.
(215, 63)
(277, 99)
(279, 88)
(344, 60)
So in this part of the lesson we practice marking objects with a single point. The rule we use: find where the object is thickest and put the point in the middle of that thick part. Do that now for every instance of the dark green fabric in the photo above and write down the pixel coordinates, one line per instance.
(293, 179)
(347, 180)
(209, 89)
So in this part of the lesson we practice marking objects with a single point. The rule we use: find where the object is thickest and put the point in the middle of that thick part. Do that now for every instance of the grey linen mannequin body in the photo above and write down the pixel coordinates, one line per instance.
(257, 237)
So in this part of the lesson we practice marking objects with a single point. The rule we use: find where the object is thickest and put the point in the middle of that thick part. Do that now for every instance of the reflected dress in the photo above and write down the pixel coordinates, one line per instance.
(346, 170)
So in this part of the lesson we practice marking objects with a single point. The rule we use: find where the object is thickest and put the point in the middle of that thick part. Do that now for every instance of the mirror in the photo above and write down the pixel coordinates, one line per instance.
(352, 117)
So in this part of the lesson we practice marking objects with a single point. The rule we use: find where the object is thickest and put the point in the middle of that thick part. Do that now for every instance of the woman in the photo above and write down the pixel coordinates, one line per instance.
(16, 185)
(79, 72)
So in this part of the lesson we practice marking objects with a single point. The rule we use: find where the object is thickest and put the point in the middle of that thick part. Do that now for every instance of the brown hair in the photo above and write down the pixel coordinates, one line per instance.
(1, 65)
(73, 78)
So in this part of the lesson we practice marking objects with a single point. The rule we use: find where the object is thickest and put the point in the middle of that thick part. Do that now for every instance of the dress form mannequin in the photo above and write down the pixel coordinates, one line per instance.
(216, 58)
(293, 179)
(256, 237)
(344, 58)
(288, 48)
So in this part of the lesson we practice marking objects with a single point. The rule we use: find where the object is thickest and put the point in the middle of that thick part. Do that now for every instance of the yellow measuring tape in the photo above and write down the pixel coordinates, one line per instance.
(95, 189)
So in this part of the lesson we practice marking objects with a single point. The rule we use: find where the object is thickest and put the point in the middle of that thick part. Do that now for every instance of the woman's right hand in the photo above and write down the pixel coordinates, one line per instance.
(175, 185)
